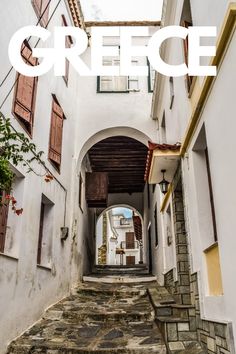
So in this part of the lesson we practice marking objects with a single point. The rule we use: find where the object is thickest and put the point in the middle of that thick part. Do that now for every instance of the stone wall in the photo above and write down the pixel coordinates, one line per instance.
(215, 337)
(180, 288)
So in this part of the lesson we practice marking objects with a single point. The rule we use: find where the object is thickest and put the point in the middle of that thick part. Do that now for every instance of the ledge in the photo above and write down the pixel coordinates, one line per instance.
(44, 267)
(9, 256)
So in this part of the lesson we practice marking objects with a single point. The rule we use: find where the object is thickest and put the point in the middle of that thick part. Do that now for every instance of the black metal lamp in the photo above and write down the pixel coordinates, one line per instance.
(164, 184)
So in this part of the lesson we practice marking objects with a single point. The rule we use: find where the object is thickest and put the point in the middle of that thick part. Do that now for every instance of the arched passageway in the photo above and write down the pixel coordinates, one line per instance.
(111, 173)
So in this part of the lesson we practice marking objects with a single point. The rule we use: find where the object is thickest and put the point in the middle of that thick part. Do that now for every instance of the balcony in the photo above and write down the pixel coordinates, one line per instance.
(126, 221)
(129, 245)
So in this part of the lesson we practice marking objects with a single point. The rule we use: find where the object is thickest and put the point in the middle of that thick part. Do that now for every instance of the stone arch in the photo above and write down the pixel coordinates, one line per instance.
(107, 133)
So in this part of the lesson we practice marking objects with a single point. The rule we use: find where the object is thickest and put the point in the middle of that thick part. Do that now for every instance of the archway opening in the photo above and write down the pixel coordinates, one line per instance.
(119, 237)
(112, 174)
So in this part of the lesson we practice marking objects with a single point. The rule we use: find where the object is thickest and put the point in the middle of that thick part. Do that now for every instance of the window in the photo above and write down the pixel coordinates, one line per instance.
(41, 8)
(151, 77)
(68, 43)
(156, 227)
(172, 94)
(4, 207)
(112, 83)
(117, 84)
(186, 21)
(44, 253)
(25, 93)
(211, 194)
(56, 132)
(163, 128)
(80, 192)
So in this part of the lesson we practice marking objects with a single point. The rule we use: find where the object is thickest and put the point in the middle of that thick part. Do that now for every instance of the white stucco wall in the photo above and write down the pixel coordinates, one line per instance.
(218, 117)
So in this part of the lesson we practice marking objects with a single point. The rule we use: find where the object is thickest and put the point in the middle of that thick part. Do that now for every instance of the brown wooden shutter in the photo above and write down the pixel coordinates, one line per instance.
(55, 146)
(45, 7)
(25, 92)
(137, 227)
(4, 207)
(41, 8)
(37, 6)
(129, 236)
(68, 43)
(96, 189)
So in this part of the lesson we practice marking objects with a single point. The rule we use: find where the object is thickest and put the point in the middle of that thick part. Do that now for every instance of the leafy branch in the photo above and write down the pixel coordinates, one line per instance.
(18, 149)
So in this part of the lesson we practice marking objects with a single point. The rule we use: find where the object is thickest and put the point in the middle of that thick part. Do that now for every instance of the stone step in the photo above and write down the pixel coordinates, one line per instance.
(125, 267)
(189, 347)
(97, 318)
(89, 337)
(118, 279)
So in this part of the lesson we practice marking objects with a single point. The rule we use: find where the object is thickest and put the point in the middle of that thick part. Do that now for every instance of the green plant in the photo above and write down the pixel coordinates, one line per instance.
(16, 148)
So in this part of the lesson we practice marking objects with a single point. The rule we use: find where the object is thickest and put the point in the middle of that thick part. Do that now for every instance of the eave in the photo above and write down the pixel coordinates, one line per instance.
(76, 13)
(161, 157)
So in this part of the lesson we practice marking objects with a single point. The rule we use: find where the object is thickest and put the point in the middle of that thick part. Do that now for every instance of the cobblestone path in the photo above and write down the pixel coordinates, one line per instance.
(96, 318)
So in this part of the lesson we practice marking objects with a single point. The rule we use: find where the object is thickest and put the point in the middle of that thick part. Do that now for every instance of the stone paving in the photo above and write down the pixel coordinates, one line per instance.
(96, 318)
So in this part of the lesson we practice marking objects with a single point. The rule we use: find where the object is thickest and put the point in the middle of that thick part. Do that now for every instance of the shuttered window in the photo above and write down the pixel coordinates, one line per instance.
(68, 43)
(25, 92)
(4, 207)
(55, 144)
(41, 8)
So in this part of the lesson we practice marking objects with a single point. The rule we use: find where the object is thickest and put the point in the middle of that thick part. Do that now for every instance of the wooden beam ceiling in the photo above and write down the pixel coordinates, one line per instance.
(124, 159)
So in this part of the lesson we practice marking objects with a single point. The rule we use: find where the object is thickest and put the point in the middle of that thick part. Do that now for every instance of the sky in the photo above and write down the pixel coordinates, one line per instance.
(122, 10)
(127, 212)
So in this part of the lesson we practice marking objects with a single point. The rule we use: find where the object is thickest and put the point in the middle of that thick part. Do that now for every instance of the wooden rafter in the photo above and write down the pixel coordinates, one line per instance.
(124, 160)
(122, 23)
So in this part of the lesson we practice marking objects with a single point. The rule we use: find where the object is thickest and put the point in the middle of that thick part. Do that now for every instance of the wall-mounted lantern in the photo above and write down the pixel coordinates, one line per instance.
(164, 184)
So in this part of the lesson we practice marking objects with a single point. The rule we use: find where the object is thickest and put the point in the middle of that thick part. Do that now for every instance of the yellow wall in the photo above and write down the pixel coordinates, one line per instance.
(214, 271)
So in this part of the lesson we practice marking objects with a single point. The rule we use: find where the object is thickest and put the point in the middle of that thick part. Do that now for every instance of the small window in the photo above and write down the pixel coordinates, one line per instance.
(172, 94)
(151, 77)
(163, 129)
(156, 227)
(68, 43)
(25, 93)
(81, 189)
(4, 208)
(56, 133)
(41, 8)
(44, 253)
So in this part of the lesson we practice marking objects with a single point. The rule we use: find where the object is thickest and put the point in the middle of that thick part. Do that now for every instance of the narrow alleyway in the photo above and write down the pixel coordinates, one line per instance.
(114, 316)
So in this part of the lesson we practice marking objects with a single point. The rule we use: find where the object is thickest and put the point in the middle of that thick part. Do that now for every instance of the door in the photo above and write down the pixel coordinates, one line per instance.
(129, 236)
(130, 260)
